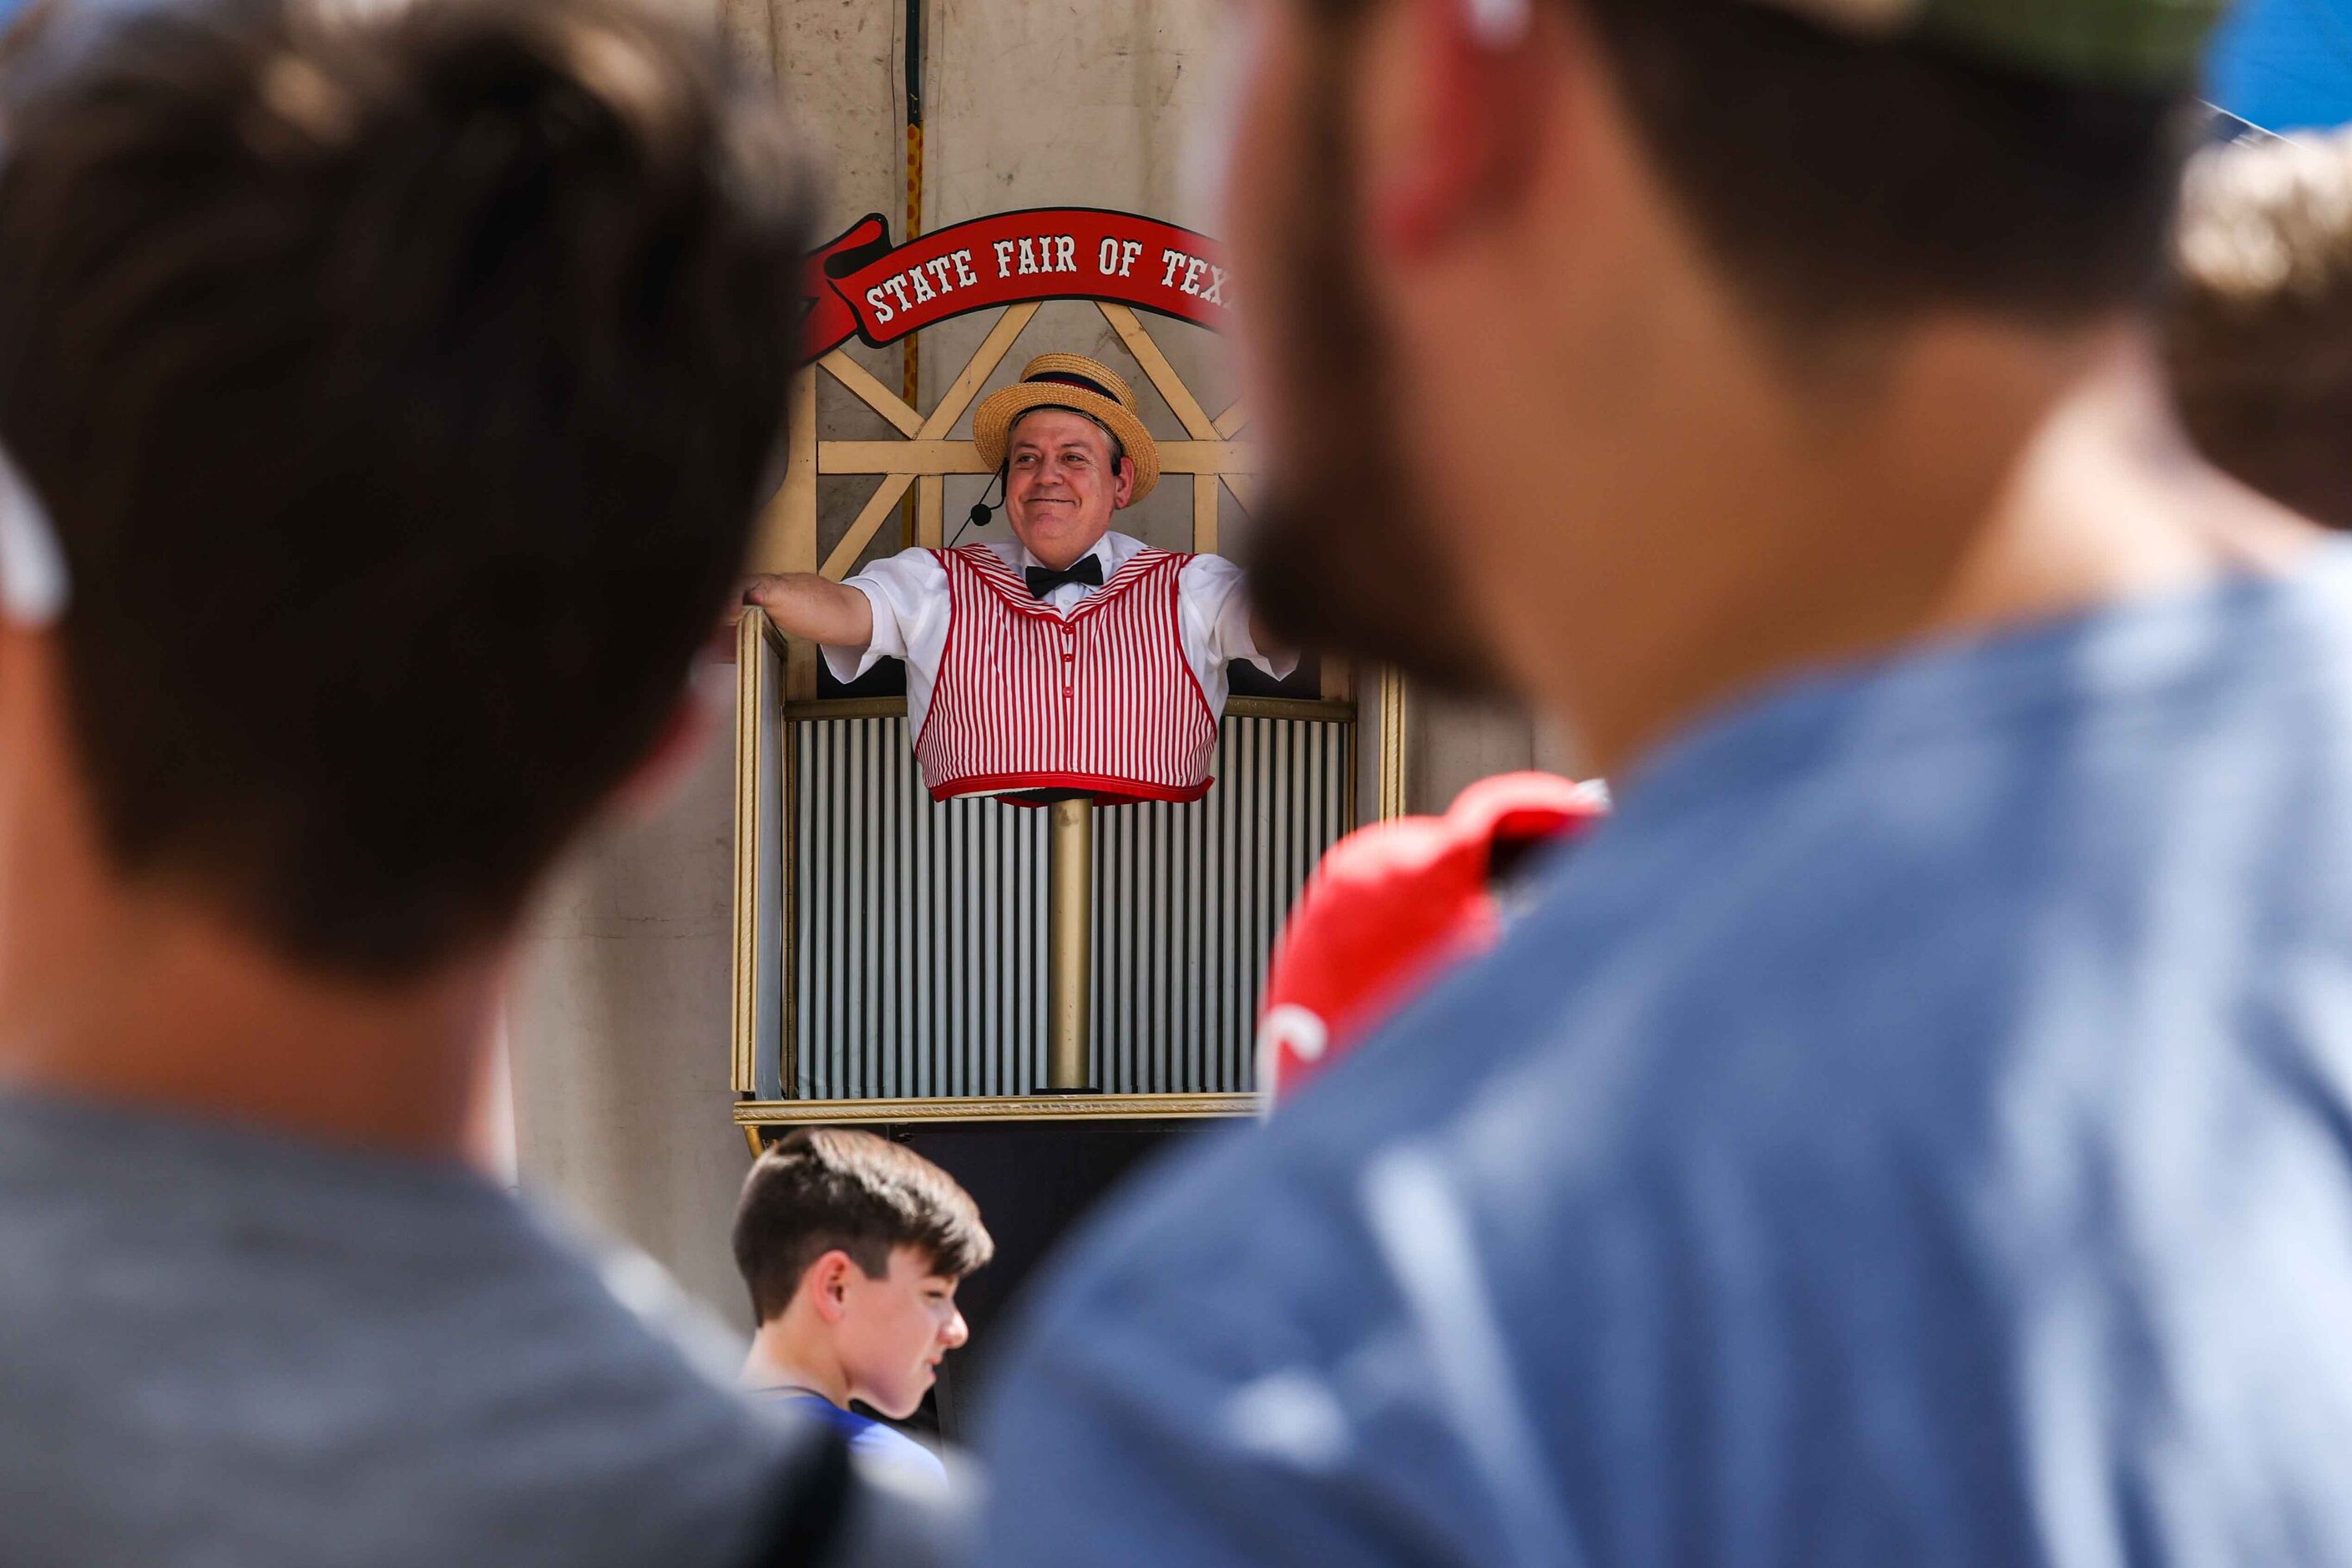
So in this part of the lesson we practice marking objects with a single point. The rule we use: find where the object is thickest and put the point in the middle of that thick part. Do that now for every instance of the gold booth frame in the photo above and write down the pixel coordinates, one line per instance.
(776, 684)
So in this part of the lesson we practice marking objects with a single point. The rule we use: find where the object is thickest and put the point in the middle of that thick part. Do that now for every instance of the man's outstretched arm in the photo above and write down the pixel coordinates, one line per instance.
(1221, 620)
(804, 605)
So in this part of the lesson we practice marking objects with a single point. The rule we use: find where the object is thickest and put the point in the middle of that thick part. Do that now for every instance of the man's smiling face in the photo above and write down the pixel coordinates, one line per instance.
(1060, 488)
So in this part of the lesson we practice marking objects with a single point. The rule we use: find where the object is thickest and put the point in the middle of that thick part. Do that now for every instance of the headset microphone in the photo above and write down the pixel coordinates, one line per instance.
(982, 511)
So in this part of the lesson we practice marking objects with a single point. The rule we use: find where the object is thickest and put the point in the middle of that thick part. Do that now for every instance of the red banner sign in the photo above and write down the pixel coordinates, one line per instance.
(860, 285)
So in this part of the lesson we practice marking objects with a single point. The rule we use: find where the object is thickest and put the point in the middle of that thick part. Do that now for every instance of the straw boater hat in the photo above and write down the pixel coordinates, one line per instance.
(1081, 386)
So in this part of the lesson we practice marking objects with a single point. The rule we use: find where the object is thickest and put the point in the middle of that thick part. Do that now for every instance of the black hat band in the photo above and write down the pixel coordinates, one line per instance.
(1064, 378)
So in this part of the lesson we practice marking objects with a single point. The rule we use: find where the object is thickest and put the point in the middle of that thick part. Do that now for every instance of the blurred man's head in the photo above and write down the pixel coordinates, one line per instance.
(854, 1247)
(401, 383)
(2258, 334)
(1535, 276)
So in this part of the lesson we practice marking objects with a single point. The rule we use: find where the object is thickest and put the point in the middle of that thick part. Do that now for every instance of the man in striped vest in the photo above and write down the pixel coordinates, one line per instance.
(1070, 660)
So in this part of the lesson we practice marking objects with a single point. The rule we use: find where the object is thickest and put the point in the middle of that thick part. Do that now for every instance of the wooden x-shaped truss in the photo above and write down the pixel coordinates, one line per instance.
(925, 455)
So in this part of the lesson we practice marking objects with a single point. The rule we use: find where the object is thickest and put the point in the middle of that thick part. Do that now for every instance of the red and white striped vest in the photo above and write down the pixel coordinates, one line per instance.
(1104, 702)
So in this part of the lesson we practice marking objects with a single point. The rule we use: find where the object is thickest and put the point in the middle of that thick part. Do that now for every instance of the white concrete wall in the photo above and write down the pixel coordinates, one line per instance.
(619, 1033)
(1450, 745)
(619, 1036)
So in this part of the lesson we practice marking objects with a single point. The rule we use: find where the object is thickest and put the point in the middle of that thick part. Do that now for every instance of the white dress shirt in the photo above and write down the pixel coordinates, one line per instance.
(909, 592)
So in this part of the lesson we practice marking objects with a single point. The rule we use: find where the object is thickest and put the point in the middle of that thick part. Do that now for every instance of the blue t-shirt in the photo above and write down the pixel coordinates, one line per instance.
(874, 1442)
(1916, 1129)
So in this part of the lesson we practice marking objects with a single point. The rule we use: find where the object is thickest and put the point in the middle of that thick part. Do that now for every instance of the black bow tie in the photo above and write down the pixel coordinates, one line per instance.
(1044, 580)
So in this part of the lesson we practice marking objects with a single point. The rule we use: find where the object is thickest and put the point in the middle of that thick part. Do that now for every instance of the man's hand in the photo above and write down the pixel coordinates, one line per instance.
(803, 604)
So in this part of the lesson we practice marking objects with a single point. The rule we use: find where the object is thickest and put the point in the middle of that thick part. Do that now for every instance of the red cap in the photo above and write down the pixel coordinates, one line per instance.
(1393, 904)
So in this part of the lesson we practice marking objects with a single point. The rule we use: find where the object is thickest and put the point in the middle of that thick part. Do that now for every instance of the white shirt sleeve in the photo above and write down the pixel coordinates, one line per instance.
(1214, 594)
(908, 592)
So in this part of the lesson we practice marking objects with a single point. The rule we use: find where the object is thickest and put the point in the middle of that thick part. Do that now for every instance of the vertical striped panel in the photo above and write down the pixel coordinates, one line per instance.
(919, 956)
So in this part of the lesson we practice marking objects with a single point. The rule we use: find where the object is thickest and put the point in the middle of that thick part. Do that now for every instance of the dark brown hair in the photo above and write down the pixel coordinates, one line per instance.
(1841, 182)
(402, 380)
(2258, 335)
(822, 1188)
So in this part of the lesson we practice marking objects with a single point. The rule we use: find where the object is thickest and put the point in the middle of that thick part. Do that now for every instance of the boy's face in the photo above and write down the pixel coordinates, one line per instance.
(894, 1329)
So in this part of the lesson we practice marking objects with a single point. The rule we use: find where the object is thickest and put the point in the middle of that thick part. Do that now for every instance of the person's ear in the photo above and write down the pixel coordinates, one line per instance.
(1122, 484)
(1450, 96)
(826, 1284)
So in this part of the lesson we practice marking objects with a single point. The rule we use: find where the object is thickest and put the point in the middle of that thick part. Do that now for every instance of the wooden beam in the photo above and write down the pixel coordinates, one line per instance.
(930, 510)
(785, 537)
(1392, 777)
(977, 370)
(1008, 1108)
(1232, 422)
(1207, 458)
(1204, 514)
(1181, 401)
(871, 391)
(749, 667)
(938, 457)
(869, 522)
(916, 456)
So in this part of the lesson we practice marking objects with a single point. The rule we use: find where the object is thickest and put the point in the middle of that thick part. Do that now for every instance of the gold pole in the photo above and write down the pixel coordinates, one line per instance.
(1392, 721)
(911, 383)
(1069, 916)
